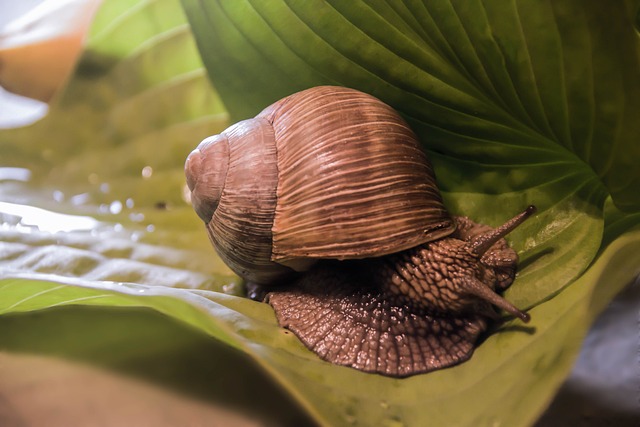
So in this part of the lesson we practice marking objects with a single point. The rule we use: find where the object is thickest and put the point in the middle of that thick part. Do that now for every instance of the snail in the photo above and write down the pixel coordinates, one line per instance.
(326, 201)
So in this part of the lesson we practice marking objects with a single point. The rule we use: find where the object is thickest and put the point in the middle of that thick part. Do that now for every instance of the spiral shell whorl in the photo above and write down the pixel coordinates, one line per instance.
(206, 170)
(326, 173)
(239, 223)
(353, 181)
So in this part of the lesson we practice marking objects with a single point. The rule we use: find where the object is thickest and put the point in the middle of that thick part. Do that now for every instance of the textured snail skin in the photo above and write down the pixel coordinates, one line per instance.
(402, 314)
(339, 315)
(325, 203)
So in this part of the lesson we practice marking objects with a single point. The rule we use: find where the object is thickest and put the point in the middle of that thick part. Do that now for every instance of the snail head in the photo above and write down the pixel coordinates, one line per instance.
(459, 273)
(476, 247)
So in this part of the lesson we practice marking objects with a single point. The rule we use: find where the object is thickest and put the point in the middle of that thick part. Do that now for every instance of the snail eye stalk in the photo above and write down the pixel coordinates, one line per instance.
(479, 289)
(481, 244)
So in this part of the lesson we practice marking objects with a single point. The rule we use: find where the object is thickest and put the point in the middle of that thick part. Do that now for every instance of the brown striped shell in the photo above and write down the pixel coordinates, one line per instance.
(326, 173)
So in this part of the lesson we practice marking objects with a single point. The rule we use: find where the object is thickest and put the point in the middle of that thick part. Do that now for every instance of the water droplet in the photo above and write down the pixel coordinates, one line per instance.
(229, 288)
(129, 203)
(115, 207)
(58, 196)
(28, 219)
(104, 187)
(147, 171)
(79, 199)
(151, 228)
(136, 217)
(15, 174)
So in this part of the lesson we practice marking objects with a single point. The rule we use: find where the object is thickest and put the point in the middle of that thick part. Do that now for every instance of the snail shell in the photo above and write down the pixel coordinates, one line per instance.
(326, 173)
(332, 182)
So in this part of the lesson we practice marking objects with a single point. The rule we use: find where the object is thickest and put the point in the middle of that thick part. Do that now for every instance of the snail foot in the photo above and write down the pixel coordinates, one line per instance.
(338, 314)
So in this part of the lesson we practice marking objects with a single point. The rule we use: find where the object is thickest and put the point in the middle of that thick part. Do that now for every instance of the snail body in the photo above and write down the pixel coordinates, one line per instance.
(326, 200)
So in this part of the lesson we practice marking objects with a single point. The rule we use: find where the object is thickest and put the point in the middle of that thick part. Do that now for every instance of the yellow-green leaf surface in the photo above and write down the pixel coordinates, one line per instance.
(506, 382)
(114, 142)
(139, 99)
(475, 79)
(517, 103)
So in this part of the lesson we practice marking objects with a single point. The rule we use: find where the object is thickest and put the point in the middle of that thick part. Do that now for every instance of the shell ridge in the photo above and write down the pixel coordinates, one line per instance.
(339, 190)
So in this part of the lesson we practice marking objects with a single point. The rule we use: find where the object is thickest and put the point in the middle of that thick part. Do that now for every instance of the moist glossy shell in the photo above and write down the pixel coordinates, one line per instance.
(240, 229)
(352, 180)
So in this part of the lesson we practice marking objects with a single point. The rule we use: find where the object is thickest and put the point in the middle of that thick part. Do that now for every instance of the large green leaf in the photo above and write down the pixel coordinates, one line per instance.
(520, 88)
(506, 382)
(139, 98)
(478, 82)
(499, 96)
(517, 102)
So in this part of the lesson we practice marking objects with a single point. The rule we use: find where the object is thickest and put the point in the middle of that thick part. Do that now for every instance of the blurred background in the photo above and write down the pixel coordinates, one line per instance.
(17, 110)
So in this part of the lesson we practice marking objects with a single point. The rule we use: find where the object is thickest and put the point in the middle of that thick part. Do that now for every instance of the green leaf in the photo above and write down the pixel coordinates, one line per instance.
(537, 355)
(139, 97)
(499, 95)
(113, 147)
(517, 103)
(517, 88)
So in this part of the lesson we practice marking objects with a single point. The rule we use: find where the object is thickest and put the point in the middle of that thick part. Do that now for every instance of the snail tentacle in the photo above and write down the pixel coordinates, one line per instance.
(481, 244)
(475, 287)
